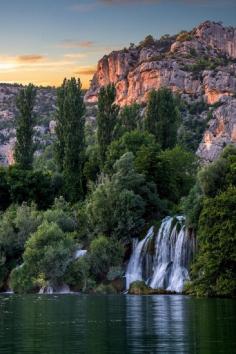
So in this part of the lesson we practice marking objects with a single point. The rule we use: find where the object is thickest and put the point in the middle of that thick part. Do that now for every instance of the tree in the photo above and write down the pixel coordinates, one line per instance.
(28, 186)
(132, 141)
(172, 170)
(220, 174)
(70, 147)
(24, 148)
(119, 206)
(106, 119)
(48, 252)
(60, 125)
(105, 253)
(16, 225)
(4, 189)
(129, 119)
(151, 114)
(213, 272)
(162, 117)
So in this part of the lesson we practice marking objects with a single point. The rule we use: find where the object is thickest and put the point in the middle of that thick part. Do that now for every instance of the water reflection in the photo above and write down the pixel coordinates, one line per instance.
(157, 324)
(179, 324)
(77, 324)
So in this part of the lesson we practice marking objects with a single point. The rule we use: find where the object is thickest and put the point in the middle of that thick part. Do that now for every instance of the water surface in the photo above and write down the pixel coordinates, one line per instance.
(77, 324)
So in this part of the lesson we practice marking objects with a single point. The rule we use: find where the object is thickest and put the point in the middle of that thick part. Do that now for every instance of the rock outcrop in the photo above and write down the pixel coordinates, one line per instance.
(198, 65)
(221, 131)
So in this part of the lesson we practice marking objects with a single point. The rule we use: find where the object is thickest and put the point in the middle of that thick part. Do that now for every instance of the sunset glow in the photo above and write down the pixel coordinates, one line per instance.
(34, 50)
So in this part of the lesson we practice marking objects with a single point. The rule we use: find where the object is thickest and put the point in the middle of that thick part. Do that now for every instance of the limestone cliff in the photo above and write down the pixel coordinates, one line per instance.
(199, 65)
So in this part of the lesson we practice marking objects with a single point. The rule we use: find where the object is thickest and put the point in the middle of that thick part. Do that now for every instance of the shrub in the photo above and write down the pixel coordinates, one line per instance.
(103, 254)
(213, 272)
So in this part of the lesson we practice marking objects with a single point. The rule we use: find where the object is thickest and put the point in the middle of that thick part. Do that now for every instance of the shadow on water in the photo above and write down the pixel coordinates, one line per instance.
(77, 324)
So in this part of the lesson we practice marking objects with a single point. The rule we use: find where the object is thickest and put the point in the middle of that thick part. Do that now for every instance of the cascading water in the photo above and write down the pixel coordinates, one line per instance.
(174, 248)
(135, 266)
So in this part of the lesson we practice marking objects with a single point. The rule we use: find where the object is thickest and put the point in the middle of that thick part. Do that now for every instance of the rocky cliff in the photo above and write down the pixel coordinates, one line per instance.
(44, 112)
(199, 65)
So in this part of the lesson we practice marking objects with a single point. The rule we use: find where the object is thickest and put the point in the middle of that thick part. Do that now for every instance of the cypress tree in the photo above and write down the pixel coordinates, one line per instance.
(70, 147)
(60, 126)
(162, 117)
(151, 113)
(106, 119)
(24, 148)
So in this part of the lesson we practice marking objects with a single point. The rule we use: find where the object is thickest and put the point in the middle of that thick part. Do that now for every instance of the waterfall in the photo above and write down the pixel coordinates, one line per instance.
(135, 266)
(79, 253)
(174, 248)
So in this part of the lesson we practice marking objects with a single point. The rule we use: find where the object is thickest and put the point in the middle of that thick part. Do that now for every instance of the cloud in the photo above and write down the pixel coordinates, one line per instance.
(86, 70)
(30, 58)
(71, 44)
(75, 56)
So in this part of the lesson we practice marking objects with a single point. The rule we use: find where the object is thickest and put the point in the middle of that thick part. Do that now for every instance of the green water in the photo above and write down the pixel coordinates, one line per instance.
(76, 324)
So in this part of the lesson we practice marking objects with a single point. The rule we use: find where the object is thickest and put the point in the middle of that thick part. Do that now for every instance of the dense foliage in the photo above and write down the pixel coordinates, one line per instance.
(103, 183)
(211, 211)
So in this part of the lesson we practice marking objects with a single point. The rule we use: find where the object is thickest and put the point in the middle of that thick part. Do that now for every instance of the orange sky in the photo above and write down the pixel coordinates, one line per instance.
(43, 41)
(44, 71)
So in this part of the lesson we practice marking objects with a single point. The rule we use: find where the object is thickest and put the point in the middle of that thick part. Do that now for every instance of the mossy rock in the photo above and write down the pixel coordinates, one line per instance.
(118, 284)
(105, 289)
(139, 287)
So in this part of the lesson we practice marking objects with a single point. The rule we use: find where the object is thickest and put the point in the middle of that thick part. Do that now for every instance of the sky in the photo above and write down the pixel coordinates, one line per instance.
(43, 41)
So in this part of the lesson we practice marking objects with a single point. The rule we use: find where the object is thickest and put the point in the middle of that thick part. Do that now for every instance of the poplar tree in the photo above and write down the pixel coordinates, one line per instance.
(151, 113)
(162, 116)
(70, 147)
(106, 119)
(24, 148)
(60, 126)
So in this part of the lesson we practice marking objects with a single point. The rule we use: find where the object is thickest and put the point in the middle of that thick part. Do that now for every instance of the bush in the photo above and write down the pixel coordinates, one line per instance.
(218, 176)
(103, 254)
(213, 272)
(30, 186)
(48, 252)
(21, 280)
(77, 274)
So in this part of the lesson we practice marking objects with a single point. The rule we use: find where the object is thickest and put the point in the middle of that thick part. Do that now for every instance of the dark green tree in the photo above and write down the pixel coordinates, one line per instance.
(151, 116)
(106, 119)
(70, 148)
(60, 127)
(213, 272)
(24, 148)
(129, 119)
(162, 116)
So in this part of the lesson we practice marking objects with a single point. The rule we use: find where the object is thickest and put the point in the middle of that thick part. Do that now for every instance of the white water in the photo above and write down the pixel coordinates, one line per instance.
(80, 253)
(173, 251)
(135, 268)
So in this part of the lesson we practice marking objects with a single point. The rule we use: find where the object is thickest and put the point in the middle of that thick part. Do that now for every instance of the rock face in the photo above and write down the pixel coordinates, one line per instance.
(221, 131)
(44, 111)
(199, 65)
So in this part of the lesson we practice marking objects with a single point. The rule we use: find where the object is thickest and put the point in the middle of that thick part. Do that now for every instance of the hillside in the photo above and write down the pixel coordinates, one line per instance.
(199, 65)
(44, 110)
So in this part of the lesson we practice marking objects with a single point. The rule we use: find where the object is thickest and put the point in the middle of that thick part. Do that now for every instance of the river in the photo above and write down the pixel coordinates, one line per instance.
(122, 324)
